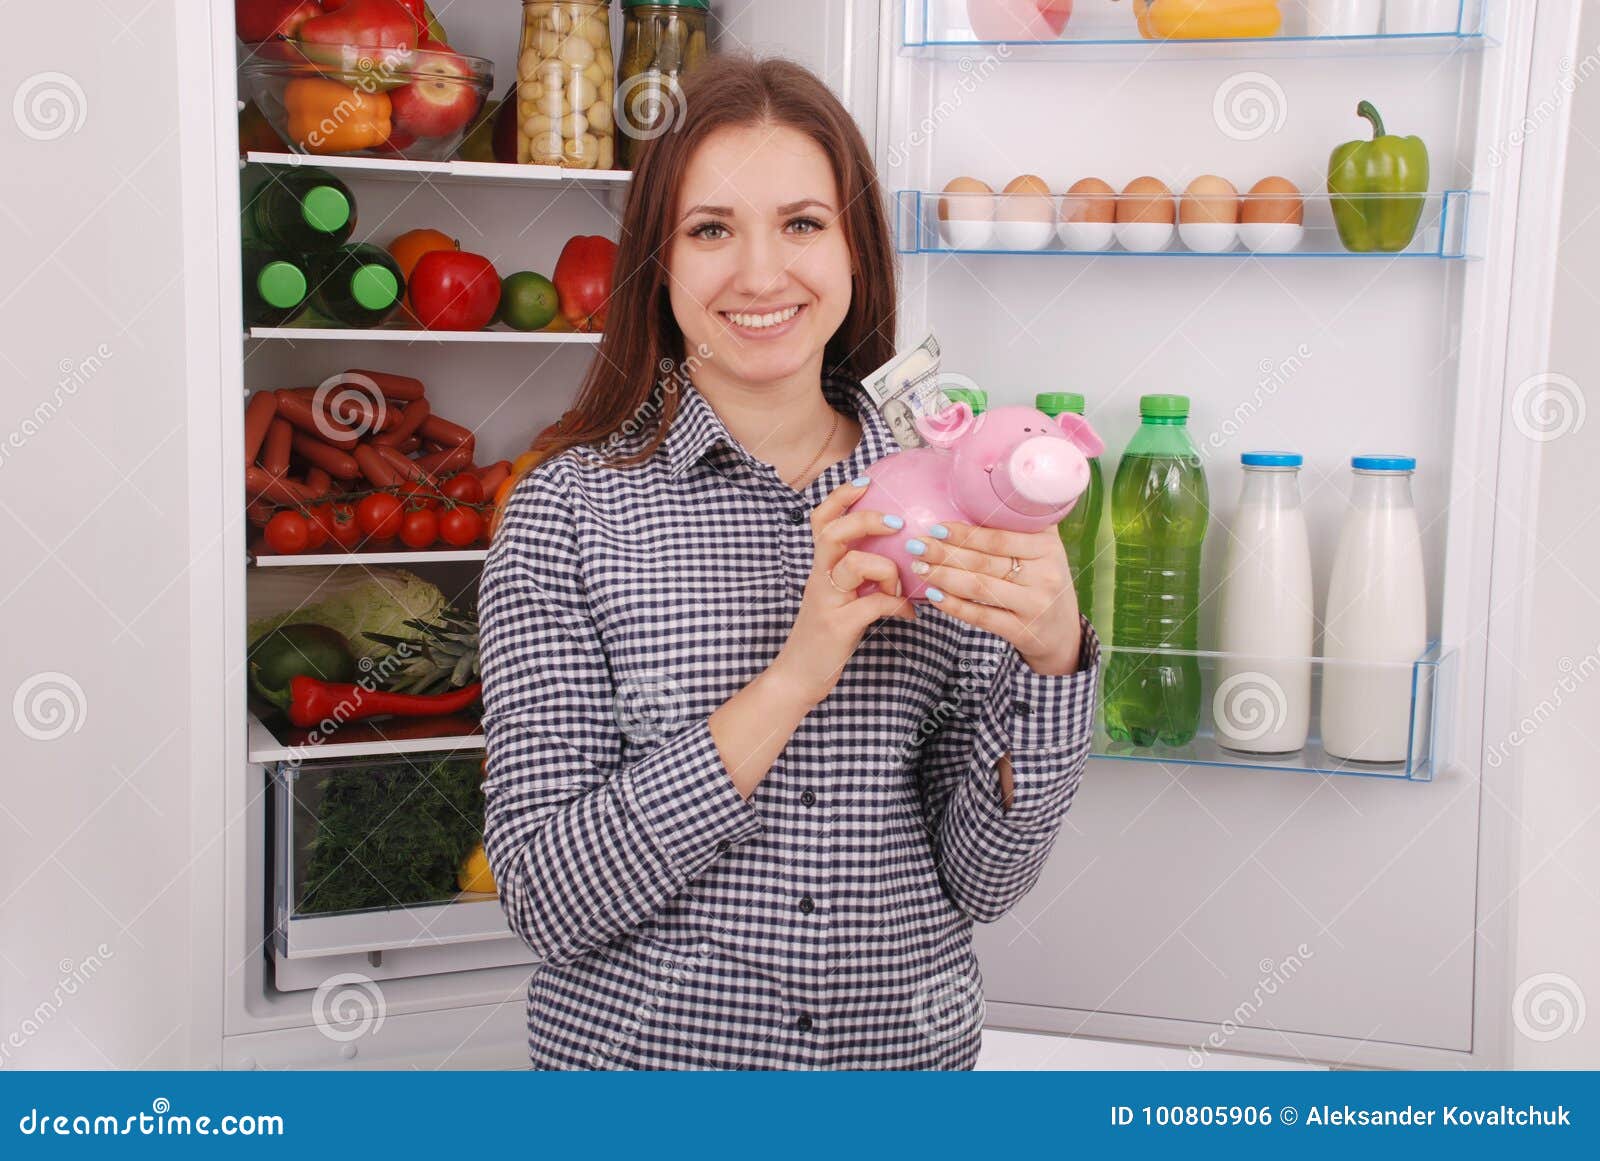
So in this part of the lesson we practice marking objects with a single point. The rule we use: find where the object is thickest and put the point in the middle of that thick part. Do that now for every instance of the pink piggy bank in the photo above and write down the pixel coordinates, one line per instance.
(1012, 468)
(1018, 19)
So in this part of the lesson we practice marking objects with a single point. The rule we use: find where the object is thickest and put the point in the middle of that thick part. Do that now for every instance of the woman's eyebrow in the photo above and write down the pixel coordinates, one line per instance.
(783, 211)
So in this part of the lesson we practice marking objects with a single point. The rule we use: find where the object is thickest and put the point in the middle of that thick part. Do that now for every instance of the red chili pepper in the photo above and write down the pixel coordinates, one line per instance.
(312, 701)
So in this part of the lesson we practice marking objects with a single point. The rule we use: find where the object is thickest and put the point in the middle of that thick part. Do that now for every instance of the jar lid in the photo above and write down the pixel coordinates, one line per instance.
(1164, 406)
(703, 5)
(1384, 463)
(1053, 403)
(325, 208)
(375, 287)
(281, 284)
(975, 399)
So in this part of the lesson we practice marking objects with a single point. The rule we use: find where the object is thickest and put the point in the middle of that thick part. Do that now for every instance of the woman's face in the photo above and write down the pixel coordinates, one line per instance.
(759, 266)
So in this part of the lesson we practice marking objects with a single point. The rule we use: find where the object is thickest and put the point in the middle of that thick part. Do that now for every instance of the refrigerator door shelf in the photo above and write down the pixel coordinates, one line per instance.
(1451, 226)
(1244, 699)
(1102, 30)
(266, 748)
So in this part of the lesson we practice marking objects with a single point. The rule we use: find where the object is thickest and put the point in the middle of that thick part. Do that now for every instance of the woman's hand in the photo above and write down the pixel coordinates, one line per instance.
(1034, 607)
(832, 618)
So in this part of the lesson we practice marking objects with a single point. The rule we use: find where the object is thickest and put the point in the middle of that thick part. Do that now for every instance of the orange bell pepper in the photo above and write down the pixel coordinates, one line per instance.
(1206, 19)
(328, 117)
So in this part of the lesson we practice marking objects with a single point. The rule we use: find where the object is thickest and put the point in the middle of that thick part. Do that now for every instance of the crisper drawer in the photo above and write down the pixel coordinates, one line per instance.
(368, 855)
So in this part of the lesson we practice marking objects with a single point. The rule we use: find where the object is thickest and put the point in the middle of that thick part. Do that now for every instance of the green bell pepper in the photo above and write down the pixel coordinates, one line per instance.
(1378, 188)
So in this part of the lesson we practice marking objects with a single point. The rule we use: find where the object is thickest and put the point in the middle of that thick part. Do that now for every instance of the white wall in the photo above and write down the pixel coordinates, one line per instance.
(1557, 961)
(94, 515)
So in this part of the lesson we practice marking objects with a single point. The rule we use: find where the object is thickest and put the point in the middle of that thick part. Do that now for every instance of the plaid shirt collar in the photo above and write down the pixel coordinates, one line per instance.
(697, 430)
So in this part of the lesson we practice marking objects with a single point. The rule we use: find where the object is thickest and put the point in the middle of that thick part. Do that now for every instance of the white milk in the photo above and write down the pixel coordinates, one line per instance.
(1260, 704)
(1377, 612)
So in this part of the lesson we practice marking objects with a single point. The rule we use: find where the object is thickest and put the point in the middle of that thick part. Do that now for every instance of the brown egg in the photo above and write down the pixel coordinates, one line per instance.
(1028, 200)
(1273, 200)
(1145, 199)
(1090, 200)
(975, 205)
(1209, 199)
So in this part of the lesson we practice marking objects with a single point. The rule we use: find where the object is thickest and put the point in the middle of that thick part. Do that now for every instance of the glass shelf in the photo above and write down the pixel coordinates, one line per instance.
(1102, 31)
(1250, 708)
(1450, 226)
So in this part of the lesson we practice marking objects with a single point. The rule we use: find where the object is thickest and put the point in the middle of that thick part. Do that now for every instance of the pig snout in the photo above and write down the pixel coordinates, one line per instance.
(1042, 474)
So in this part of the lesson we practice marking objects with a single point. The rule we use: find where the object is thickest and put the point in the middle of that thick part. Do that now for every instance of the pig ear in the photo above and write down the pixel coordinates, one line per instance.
(1076, 428)
(947, 426)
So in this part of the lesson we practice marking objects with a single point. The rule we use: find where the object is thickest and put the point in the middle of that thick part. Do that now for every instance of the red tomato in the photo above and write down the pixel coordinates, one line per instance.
(415, 494)
(420, 528)
(583, 280)
(464, 487)
(379, 516)
(452, 290)
(460, 527)
(316, 532)
(288, 532)
(341, 524)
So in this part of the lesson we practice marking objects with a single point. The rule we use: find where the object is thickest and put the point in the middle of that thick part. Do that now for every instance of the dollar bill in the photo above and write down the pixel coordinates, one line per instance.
(906, 388)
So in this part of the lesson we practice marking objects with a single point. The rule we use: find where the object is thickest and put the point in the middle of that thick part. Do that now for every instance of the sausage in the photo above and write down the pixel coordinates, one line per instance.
(405, 468)
(413, 417)
(260, 484)
(409, 446)
(493, 476)
(316, 421)
(326, 457)
(444, 432)
(275, 449)
(259, 512)
(400, 387)
(373, 466)
(318, 483)
(258, 416)
(456, 459)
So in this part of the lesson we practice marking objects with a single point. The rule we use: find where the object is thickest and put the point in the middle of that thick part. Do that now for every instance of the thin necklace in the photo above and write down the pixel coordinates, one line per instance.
(832, 431)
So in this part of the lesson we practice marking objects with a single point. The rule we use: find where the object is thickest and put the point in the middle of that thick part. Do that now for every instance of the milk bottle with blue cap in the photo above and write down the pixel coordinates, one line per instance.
(1261, 703)
(1377, 613)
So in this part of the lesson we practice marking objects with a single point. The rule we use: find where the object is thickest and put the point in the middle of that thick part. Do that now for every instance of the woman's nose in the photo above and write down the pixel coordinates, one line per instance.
(762, 267)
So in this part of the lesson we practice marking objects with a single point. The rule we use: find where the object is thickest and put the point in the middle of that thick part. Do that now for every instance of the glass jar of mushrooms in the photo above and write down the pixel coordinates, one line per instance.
(565, 80)
(661, 41)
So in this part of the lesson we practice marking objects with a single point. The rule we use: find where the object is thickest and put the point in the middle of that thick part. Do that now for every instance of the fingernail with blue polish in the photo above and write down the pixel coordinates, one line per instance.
(915, 547)
(894, 522)
(934, 595)
(938, 532)
(861, 481)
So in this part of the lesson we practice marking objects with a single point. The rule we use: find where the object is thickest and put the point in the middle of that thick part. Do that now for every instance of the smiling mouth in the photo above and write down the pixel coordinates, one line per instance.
(761, 322)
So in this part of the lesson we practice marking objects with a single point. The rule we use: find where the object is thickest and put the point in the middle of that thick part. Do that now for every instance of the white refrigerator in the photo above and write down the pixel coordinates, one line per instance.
(1297, 908)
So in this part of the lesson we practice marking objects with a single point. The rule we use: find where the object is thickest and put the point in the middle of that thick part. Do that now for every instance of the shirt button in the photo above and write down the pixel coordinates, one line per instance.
(722, 846)
(806, 905)
(1023, 708)
(803, 1021)
(797, 515)
(807, 798)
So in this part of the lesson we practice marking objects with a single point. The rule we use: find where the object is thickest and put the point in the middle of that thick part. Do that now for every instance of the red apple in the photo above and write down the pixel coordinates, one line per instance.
(259, 20)
(439, 103)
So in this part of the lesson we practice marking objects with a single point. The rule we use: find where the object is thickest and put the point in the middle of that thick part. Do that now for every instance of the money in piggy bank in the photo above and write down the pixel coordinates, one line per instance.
(1012, 468)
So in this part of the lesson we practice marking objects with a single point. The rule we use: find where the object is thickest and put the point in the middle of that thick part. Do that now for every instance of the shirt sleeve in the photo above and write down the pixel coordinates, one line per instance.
(583, 848)
(989, 855)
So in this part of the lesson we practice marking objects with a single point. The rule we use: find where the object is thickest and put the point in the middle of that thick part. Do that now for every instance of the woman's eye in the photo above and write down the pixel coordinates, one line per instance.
(711, 231)
(806, 225)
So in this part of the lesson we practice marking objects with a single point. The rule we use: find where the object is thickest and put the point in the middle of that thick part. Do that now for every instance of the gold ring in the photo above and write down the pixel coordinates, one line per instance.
(835, 584)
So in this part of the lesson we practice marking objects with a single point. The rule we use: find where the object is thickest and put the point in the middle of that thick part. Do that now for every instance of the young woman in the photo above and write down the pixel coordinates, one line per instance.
(745, 817)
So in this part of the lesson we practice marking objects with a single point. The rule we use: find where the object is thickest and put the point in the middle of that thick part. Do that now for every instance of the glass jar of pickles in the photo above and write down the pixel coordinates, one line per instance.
(661, 41)
(565, 81)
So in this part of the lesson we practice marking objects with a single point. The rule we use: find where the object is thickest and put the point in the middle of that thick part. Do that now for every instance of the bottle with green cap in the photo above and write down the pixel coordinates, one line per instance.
(1082, 525)
(355, 286)
(275, 286)
(973, 397)
(299, 209)
(1160, 506)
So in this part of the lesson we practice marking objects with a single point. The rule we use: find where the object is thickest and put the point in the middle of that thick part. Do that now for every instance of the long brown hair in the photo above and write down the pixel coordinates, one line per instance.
(642, 350)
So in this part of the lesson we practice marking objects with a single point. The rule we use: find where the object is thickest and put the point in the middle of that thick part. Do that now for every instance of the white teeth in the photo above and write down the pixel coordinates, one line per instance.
(762, 321)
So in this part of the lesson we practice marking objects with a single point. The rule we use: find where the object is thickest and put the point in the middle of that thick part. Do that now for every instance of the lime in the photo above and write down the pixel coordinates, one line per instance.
(528, 301)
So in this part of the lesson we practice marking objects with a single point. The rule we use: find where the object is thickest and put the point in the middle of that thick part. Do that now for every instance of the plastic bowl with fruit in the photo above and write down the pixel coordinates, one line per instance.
(348, 100)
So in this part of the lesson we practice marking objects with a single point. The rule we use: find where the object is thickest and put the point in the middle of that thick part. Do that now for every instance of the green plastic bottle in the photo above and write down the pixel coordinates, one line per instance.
(355, 286)
(299, 209)
(1081, 528)
(275, 287)
(1160, 506)
(972, 397)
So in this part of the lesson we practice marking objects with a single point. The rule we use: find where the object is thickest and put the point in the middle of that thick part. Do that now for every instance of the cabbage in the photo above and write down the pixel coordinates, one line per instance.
(353, 601)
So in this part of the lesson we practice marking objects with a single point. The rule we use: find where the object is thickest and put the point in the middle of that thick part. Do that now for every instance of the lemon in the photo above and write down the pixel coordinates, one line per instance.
(528, 301)
(474, 874)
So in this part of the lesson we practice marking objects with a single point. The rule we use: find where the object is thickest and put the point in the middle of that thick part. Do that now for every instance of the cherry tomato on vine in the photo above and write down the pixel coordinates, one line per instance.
(340, 521)
(460, 527)
(288, 532)
(380, 516)
(465, 487)
(419, 528)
